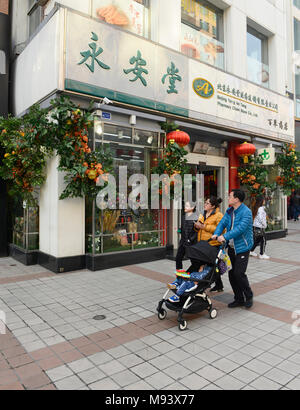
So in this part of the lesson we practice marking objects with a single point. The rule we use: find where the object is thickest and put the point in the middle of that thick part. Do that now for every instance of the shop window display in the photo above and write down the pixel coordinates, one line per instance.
(202, 32)
(25, 231)
(132, 15)
(115, 230)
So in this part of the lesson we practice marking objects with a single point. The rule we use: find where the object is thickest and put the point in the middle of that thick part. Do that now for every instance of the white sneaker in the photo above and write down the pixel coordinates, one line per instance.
(264, 256)
(253, 254)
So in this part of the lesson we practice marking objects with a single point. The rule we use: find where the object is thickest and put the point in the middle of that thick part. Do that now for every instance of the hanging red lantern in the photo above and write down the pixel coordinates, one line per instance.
(180, 137)
(244, 150)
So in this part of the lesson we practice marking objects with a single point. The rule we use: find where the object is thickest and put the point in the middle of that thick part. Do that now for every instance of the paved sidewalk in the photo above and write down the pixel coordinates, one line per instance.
(53, 341)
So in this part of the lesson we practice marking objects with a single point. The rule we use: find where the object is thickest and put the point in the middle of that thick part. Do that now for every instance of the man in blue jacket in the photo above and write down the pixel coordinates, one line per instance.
(238, 223)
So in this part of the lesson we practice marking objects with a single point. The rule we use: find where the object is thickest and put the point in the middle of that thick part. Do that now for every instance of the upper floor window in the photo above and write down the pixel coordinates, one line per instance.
(202, 34)
(297, 3)
(132, 15)
(257, 57)
(297, 34)
(35, 14)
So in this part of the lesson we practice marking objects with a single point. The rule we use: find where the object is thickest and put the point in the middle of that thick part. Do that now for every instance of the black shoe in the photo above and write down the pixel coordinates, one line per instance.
(249, 303)
(235, 304)
(216, 289)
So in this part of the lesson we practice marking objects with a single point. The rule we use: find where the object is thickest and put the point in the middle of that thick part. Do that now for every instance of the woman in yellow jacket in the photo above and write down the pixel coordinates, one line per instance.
(206, 226)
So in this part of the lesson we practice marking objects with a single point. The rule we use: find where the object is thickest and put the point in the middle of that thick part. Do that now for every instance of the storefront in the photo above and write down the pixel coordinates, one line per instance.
(4, 74)
(144, 84)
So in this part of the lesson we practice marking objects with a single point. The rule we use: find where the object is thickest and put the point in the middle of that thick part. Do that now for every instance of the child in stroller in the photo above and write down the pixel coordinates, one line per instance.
(187, 282)
(195, 300)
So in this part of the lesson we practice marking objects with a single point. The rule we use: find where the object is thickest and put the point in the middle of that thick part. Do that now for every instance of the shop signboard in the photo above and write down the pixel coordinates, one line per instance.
(268, 155)
(104, 61)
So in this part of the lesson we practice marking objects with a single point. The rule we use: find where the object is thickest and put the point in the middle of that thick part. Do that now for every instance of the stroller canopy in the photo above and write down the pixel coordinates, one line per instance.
(202, 251)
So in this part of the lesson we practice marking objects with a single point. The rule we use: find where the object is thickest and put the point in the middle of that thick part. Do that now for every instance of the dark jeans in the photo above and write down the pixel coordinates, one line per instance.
(296, 212)
(237, 276)
(179, 256)
(260, 240)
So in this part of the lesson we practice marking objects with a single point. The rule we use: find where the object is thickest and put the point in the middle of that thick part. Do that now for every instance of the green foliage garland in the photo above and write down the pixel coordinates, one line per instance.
(29, 141)
(288, 163)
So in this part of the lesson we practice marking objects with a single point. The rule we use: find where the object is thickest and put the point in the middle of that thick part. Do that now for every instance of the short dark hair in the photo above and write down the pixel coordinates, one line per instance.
(238, 193)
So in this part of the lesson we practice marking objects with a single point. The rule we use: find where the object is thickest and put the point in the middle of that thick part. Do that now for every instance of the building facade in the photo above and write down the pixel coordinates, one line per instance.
(214, 68)
(296, 66)
(4, 77)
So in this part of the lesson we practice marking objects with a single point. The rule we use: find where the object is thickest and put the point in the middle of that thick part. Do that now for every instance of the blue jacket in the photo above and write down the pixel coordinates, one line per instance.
(242, 232)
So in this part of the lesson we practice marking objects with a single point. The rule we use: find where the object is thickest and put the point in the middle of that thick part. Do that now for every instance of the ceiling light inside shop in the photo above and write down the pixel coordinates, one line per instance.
(150, 140)
(98, 128)
(136, 137)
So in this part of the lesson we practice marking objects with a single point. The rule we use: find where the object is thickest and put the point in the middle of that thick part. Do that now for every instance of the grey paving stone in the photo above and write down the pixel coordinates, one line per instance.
(91, 375)
(105, 384)
(177, 371)
(69, 383)
(141, 385)
(125, 378)
(144, 369)
(244, 375)
(294, 384)
(229, 383)
(59, 373)
(262, 383)
(225, 365)
(279, 376)
(194, 382)
(210, 373)
(80, 365)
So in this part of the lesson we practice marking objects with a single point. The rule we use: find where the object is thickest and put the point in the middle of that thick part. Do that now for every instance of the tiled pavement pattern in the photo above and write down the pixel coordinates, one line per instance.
(53, 342)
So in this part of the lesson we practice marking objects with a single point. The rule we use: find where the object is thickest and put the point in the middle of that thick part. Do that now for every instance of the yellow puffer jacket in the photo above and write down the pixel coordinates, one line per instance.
(211, 224)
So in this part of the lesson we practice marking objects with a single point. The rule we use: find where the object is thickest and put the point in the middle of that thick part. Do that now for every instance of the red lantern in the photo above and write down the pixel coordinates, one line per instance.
(244, 150)
(180, 137)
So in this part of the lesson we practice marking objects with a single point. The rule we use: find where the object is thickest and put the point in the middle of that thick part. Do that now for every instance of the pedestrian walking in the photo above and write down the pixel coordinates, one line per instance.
(188, 235)
(295, 201)
(206, 226)
(259, 226)
(238, 223)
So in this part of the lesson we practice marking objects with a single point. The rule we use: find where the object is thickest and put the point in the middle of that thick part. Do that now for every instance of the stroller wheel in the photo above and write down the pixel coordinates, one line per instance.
(182, 325)
(162, 314)
(213, 313)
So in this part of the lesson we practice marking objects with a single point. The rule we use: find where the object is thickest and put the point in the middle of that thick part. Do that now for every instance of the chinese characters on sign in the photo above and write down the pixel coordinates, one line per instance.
(138, 71)
(172, 72)
(278, 124)
(93, 55)
(263, 102)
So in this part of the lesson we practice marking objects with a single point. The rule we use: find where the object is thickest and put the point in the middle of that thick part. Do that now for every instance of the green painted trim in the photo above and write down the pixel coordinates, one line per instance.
(83, 88)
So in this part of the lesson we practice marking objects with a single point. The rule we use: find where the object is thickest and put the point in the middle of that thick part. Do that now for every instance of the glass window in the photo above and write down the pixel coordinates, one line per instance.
(297, 89)
(114, 230)
(202, 35)
(297, 34)
(297, 3)
(35, 16)
(257, 57)
(132, 15)
(25, 226)
(2, 62)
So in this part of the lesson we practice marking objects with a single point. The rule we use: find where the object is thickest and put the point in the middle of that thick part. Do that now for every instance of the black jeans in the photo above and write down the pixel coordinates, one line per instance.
(237, 276)
(179, 256)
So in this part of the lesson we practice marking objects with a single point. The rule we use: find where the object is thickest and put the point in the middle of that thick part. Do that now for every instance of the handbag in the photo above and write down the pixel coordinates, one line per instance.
(258, 232)
(226, 261)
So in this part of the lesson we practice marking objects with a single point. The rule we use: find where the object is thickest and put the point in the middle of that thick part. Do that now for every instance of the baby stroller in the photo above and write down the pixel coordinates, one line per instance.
(195, 301)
